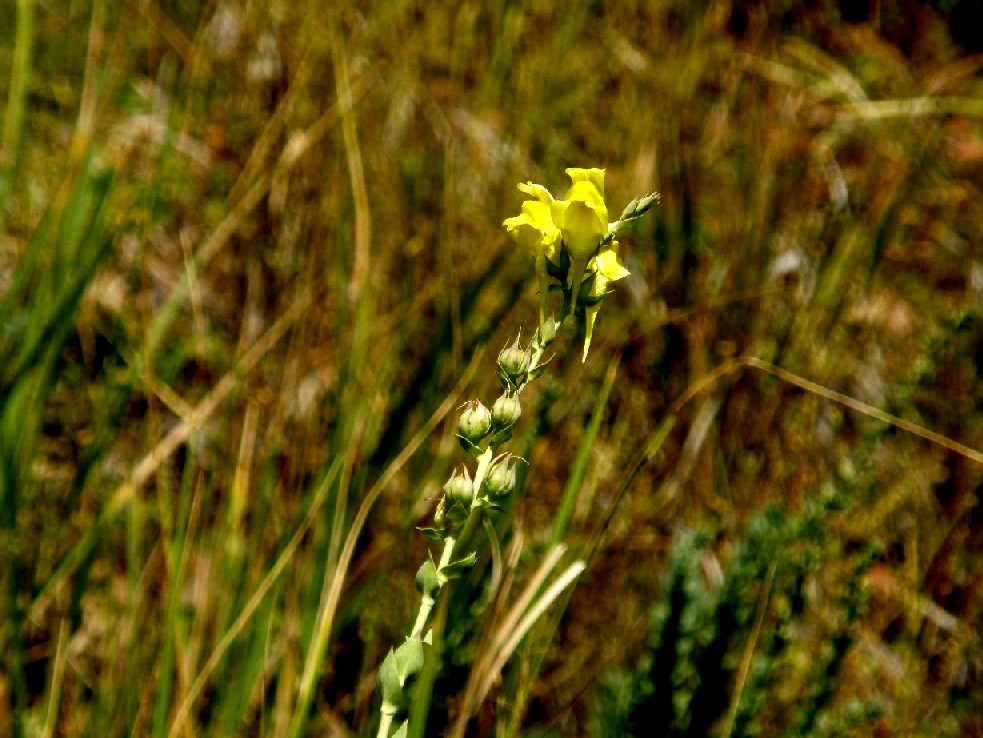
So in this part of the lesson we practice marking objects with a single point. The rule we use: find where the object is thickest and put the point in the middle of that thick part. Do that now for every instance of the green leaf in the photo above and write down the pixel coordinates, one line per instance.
(540, 369)
(457, 569)
(409, 659)
(398, 668)
(403, 730)
(506, 382)
(427, 582)
(487, 504)
(390, 685)
(500, 437)
(469, 447)
(434, 534)
(559, 271)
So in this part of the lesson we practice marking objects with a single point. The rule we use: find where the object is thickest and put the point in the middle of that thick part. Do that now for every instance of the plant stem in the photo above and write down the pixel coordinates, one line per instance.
(385, 722)
(427, 602)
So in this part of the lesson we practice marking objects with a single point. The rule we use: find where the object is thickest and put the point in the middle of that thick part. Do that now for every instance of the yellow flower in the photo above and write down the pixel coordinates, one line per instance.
(605, 268)
(582, 218)
(534, 229)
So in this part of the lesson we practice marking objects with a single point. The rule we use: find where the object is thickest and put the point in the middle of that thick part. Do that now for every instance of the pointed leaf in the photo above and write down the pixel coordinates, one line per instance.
(540, 368)
(457, 569)
(391, 685)
(469, 447)
(409, 659)
(501, 437)
(434, 534)
(487, 504)
(427, 581)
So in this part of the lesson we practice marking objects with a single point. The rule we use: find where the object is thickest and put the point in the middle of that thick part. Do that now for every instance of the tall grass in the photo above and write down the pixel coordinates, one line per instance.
(249, 249)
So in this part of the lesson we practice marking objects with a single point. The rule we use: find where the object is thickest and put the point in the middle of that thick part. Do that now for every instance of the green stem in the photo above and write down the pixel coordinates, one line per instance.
(467, 530)
(446, 556)
(426, 601)
(385, 723)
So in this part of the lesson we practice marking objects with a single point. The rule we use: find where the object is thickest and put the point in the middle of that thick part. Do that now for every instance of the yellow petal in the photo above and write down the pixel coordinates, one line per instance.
(609, 266)
(590, 315)
(594, 176)
(582, 218)
(533, 228)
(537, 191)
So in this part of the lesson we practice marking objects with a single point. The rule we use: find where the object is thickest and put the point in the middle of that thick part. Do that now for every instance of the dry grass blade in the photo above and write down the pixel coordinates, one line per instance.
(177, 437)
(181, 715)
(745, 666)
(329, 605)
(913, 107)
(512, 628)
(728, 367)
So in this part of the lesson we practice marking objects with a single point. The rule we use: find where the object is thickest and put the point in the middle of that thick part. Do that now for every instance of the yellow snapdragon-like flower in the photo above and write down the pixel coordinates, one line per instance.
(606, 267)
(582, 217)
(534, 229)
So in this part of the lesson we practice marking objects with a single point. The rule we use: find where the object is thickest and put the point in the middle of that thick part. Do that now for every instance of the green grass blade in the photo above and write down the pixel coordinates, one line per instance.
(571, 491)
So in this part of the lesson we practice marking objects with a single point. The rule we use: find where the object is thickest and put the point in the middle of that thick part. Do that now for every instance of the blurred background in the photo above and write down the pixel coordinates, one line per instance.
(251, 247)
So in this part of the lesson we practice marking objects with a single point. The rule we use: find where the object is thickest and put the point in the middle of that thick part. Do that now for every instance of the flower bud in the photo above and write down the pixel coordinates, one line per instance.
(547, 331)
(639, 206)
(458, 496)
(475, 422)
(514, 362)
(506, 411)
(501, 478)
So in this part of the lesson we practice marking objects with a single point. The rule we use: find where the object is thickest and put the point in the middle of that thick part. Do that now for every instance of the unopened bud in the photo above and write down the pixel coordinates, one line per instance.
(501, 478)
(548, 331)
(475, 422)
(638, 207)
(458, 496)
(440, 515)
(506, 411)
(514, 361)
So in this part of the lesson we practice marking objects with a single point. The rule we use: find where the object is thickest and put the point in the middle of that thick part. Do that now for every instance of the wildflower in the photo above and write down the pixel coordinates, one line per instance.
(604, 268)
(582, 217)
(534, 229)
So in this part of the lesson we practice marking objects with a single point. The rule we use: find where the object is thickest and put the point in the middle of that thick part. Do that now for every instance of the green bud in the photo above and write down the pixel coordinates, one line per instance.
(506, 411)
(640, 205)
(548, 331)
(501, 478)
(514, 362)
(440, 515)
(475, 422)
(458, 496)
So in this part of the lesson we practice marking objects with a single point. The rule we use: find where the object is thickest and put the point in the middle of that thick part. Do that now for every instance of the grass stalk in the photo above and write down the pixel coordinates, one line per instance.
(16, 111)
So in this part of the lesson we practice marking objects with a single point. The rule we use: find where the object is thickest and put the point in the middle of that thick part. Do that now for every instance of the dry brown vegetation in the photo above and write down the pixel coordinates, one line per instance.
(250, 248)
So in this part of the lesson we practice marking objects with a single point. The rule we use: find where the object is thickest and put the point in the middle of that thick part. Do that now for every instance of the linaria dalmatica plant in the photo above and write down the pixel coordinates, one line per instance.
(575, 253)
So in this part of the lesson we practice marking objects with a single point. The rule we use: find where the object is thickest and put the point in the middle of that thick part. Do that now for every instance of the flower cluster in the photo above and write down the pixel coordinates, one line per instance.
(571, 241)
